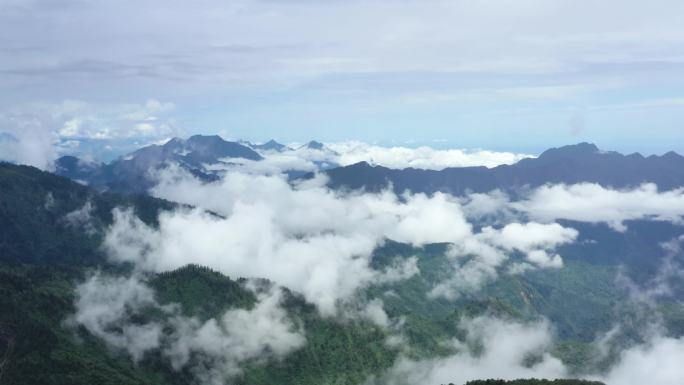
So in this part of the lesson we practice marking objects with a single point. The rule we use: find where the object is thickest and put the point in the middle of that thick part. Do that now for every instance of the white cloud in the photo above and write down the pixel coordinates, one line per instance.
(477, 258)
(37, 133)
(656, 362)
(421, 157)
(400, 270)
(239, 335)
(493, 348)
(81, 218)
(105, 306)
(589, 202)
(533, 239)
(28, 138)
(499, 348)
(375, 312)
(40, 127)
(479, 205)
(347, 153)
(273, 163)
(274, 231)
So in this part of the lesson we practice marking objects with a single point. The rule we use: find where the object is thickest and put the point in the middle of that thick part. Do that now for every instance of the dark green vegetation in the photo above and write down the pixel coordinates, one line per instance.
(38, 349)
(43, 255)
(34, 217)
(533, 382)
(582, 300)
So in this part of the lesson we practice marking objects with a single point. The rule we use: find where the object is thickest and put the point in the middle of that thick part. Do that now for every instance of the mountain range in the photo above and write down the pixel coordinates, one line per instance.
(207, 157)
(133, 173)
(572, 164)
(204, 156)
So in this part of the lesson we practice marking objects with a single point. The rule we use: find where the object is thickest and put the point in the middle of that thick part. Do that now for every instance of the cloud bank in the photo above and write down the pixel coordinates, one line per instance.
(421, 157)
(311, 239)
(588, 202)
(350, 152)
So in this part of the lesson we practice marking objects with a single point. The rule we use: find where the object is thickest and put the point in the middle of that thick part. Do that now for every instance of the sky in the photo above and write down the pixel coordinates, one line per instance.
(519, 76)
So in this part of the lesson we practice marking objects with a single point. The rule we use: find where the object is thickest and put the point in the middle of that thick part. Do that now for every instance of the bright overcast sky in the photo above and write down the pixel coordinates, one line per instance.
(499, 74)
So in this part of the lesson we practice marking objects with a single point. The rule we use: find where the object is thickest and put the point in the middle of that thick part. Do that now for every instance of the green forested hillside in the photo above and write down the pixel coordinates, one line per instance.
(43, 256)
(45, 218)
(38, 348)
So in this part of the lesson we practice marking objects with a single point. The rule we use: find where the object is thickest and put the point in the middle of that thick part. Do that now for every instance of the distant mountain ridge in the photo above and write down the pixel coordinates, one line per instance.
(205, 156)
(131, 173)
(583, 162)
(314, 145)
(271, 145)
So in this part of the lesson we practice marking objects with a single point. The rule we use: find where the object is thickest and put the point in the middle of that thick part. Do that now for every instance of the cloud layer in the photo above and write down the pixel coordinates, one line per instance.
(589, 202)
(320, 243)
(421, 157)
(311, 239)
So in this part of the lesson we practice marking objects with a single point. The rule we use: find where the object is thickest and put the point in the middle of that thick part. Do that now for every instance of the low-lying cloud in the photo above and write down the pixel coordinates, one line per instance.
(423, 157)
(311, 239)
(28, 138)
(582, 202)
(107, 307)
(307, 159)
(509, 349)
(478, 258)
(656, 362)
(493, 348)
(589, 202)
(104, 306)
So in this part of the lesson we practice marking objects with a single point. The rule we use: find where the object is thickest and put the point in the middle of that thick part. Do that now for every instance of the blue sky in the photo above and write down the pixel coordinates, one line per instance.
(519, 75)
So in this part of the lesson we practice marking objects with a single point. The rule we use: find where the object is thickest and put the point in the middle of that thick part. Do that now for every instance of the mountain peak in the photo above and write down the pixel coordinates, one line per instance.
(571, 151)
(271, 145)
(197, 139)
(314, 145)
(671, 155)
